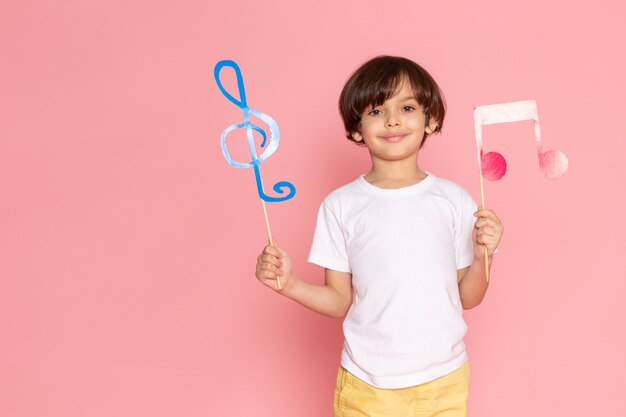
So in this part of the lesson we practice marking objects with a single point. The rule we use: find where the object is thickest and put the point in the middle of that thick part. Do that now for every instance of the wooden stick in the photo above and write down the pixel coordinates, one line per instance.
(482, 201)
(269, 232)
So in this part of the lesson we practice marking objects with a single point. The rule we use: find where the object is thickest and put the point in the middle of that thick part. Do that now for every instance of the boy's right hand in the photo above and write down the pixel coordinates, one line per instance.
(272, 263)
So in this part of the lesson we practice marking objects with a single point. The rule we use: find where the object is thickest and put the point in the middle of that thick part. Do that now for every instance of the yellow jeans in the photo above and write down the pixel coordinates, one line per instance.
(442, 397)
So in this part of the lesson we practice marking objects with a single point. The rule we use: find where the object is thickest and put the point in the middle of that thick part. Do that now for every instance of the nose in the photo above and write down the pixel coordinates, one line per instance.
(392, 120)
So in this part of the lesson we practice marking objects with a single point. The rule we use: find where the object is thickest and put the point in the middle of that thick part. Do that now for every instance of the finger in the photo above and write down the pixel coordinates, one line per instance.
(270, 271)
(267, 275)
(271, 259)
(274, 243)
(272, 250)
(273, 268)
(480, 223)
(488, 228)
(488, 221)
(264, 274)
(485, 228)
(491, 242)
(263, 257)
(491, 248)
(486, 213)
(485, 238)
(483, 233)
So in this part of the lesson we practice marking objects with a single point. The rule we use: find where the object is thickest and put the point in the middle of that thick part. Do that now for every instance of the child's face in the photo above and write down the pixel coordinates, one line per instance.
(395, 129)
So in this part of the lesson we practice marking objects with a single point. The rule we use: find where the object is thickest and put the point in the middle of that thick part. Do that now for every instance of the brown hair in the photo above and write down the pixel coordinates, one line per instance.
(377, 80)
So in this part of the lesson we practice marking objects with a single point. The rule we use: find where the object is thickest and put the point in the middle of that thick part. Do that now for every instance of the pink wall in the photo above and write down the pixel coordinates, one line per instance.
(128, 245)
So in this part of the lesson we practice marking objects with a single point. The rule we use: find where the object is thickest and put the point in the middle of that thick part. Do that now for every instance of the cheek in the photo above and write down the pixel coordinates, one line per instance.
(416, 123)
(366, 128)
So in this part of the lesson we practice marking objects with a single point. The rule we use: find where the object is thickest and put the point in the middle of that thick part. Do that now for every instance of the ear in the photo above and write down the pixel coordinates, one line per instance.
(357, 136)
(432, 126)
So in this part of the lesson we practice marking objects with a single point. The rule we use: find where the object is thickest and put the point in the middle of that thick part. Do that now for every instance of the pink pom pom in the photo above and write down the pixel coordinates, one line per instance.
(493, 166)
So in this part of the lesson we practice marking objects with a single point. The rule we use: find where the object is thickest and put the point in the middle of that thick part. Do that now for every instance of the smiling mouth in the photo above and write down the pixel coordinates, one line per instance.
(394, 138)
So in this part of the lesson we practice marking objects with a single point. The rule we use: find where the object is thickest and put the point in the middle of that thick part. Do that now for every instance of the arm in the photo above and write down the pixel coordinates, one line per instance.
(487, 232)
(333, 298)
(472, 283)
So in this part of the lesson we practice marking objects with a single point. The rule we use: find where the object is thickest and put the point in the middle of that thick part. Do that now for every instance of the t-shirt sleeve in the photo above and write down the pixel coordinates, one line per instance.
(329, 246)
(463, 232)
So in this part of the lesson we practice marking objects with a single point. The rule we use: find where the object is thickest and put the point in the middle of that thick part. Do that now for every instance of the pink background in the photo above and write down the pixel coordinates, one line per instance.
(128, 245)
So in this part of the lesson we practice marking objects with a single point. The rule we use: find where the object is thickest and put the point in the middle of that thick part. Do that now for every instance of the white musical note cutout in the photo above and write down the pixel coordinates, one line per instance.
(552, 163)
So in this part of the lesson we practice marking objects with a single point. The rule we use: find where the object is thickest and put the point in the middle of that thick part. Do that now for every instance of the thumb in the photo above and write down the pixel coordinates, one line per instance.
(282, 252)
(272, 241)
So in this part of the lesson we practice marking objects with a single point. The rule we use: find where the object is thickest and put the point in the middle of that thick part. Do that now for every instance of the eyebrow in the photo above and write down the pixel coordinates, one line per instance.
(408, 98)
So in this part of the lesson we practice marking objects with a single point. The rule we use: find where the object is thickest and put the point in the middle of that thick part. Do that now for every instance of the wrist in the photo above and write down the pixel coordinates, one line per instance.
(479, 254)
(288, 284)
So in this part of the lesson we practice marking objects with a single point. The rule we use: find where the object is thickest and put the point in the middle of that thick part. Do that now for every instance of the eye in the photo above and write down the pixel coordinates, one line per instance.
(408, 108)
(374, 112)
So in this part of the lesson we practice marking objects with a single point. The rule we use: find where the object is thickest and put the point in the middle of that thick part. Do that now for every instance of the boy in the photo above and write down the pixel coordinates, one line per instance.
(402, 252)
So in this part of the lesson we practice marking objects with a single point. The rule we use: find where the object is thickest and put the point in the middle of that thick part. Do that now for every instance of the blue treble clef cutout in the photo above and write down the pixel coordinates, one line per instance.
(274, 137)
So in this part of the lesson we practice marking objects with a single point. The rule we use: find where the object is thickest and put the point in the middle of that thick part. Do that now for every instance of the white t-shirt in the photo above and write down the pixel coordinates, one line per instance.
(403, 247)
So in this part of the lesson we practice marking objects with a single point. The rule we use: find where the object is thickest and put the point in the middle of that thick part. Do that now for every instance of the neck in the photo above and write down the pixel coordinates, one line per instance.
(394, 174)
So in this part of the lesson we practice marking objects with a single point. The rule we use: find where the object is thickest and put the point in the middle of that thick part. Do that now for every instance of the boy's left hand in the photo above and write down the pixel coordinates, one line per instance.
(487, 232)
